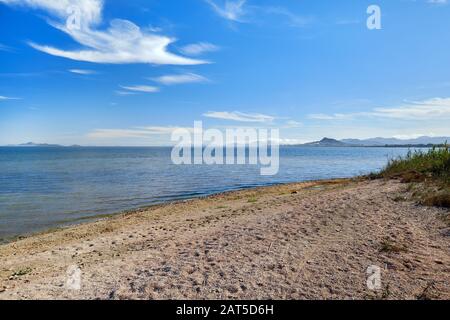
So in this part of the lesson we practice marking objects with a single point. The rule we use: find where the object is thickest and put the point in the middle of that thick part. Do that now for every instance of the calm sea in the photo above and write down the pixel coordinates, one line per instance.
(41, 188)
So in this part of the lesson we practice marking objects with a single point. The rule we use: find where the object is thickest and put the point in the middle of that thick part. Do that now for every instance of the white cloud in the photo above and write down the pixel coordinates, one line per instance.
(236, 10)
(164, 130)
(412, 136)
(239, 116)
(117, 133)
(334, 116)
(230, 10)
(3, 98)
(4, 47)
(90, 10)
(197, 49)
(138, 132)
(125, 93)
(141, 88)
(82, 71)
(438, 1)
(180, 78)
(431, 109)
(287, 141)
(293, 19)
(123, 42)
(437, 108)
(290, 124)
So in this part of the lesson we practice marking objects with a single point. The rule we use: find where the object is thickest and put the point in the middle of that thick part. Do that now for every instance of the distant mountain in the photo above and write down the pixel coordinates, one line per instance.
(394, 141)
(32, 144)
(374, 142)
(326, 142)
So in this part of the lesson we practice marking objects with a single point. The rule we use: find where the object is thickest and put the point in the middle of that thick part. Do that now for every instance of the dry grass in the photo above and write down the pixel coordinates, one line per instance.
(417, 166)
(428, 174)
(387, 246)
(438, 200)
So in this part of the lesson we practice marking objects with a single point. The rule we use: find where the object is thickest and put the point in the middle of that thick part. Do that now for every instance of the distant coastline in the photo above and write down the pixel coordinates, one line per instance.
(47, 145)
(420, 142)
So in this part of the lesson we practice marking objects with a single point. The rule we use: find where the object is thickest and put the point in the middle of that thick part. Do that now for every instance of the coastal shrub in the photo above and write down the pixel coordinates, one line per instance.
(438, 200)
(418, 166)
(427, 172)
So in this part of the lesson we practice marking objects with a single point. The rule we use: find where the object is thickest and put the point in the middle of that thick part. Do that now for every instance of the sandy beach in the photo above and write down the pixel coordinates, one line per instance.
(312, 240)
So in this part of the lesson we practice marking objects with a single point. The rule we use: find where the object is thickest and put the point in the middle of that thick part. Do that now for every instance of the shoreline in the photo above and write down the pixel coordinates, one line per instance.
(308, 240)
(93, 219)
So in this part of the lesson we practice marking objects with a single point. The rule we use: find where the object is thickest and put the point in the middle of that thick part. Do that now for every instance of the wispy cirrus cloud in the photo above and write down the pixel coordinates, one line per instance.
(239, 116)
(174, 79)
(291, 124)
(122, 42)
(136, 132)
(438, 2)
(294, 20)
(125, 93)
(228, 9)
(196, 49)
(334, 116)
(6, 48)
(4, 98)
(436, 108)
(83, 71)
(117, 133)
(141, 88)
(240, 11)
(431, 109)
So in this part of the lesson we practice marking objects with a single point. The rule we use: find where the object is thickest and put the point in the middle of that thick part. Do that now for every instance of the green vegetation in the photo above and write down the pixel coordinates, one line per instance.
(429, 170)
(21, 272)
(421, 165)
(252, 200)
(222, 207)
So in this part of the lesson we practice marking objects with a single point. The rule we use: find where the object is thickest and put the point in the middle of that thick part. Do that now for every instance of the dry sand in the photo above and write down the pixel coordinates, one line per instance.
(299, 241)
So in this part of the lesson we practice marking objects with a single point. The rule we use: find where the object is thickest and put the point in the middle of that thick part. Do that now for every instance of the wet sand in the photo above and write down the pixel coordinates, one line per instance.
(311, 240)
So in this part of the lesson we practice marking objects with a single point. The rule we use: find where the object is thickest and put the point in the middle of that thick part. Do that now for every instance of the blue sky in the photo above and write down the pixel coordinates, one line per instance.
(132, 71)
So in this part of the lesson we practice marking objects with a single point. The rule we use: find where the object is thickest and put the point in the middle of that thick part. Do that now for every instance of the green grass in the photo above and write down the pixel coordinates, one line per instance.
(420, 165)
(430, 169)
(252, 200)
(21, 272)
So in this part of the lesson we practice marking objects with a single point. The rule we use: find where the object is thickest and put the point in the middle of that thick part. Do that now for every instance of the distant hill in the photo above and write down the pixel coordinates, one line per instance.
(326, 142)
(394, 141)
(32, 144)
(374, 142)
